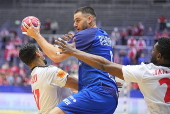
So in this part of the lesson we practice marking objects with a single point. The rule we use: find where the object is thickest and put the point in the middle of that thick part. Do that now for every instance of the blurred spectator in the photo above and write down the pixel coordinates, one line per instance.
(22, 70)
(47, 25)
(4, 35)
(115, 36)
(68, 66)
(124, 34)
(131, 42)
(132, 54)
(15, 38)
(74, 67)
(141, 44)
(165, 33)
(8, 48)
(116, 58)
(25, 39)
(162, 20)
(18, 80)
(135, 31)
(129, 30)
(125, 60)
(150, 36)
(141, 28)
(54, 27)
(157, 36)
(14, 69)
(141, 58)
(10, 78)
(51, 40)
(150, 32)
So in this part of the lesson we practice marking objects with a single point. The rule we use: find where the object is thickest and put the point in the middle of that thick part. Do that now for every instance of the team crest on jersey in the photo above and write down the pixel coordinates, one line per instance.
(61, 74)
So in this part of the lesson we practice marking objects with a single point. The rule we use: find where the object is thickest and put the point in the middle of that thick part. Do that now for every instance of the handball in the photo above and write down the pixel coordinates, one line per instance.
(34, 21)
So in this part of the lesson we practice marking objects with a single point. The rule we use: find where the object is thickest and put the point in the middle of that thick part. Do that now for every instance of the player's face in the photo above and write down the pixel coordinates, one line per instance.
(81, 21)
(42, 57)
(154, 54)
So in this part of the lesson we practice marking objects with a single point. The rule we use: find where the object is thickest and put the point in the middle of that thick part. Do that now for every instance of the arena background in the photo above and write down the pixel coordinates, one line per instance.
(114, 16)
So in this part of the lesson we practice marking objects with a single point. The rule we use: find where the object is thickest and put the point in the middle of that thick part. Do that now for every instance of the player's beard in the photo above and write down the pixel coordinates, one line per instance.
(153, 60)
(84, 26)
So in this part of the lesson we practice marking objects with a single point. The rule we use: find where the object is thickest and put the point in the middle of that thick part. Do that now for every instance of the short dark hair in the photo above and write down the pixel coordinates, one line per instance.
(27, 53)
(86, 10)
(164, 47)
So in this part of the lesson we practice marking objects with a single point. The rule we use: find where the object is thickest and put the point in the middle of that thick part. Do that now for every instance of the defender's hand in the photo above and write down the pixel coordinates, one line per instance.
(68, 36)
(65, 47)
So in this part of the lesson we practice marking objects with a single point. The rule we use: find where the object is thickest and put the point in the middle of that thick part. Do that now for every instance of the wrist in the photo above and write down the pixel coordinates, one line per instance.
(37, 36)
(74, 53)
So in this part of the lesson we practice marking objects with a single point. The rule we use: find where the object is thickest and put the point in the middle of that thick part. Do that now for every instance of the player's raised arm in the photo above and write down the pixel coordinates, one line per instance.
(48, 48)
(93, 60)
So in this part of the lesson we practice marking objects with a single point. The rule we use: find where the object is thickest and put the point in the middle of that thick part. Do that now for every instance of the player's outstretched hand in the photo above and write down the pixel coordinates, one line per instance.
(119, 85)
(65, 47)
(31, 30)
(68, 36)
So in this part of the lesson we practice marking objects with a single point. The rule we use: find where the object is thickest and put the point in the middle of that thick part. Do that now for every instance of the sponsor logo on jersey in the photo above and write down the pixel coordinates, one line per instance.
(61, 74)
(67, 101)
(105, 40)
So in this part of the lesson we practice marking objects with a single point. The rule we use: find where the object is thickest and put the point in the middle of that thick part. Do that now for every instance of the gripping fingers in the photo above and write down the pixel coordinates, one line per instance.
(25, 25)
(68, 36)
(60, 47)
(65, 37)
(31, 25)
(38, 25)
(60, 43)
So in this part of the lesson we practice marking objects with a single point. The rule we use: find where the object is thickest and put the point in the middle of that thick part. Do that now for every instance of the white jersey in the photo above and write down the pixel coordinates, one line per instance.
(154, 83)
(47, 84)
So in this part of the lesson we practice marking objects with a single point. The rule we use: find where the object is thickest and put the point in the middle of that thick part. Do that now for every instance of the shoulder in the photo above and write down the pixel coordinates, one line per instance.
(90, 33)
(87, 32)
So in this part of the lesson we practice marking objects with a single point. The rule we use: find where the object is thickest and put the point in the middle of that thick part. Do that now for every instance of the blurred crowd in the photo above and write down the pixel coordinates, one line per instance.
(130, 45)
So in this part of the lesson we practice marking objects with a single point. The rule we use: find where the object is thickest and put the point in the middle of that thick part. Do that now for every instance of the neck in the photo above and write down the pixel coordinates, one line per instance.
(165, 65)
(93, 25)
(37, 63)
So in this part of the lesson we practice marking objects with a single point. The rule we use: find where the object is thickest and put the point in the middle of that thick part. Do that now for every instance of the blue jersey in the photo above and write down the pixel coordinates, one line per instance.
(94, 41)
(95, 86)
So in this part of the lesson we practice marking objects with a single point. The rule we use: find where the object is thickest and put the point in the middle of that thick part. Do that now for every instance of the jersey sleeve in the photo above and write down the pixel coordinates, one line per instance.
(84, 38)
(57, 77)
(133, 73)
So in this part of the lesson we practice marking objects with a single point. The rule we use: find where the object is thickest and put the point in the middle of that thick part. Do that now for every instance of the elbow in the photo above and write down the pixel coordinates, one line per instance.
(76, 87)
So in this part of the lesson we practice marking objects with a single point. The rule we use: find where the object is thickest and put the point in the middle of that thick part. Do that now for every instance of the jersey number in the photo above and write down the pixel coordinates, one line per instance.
(167, 82)
(37, 97)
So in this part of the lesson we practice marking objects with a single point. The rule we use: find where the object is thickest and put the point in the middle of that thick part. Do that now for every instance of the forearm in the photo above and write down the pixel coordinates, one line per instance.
(100, 63)
(93, 60)
(50, 50)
